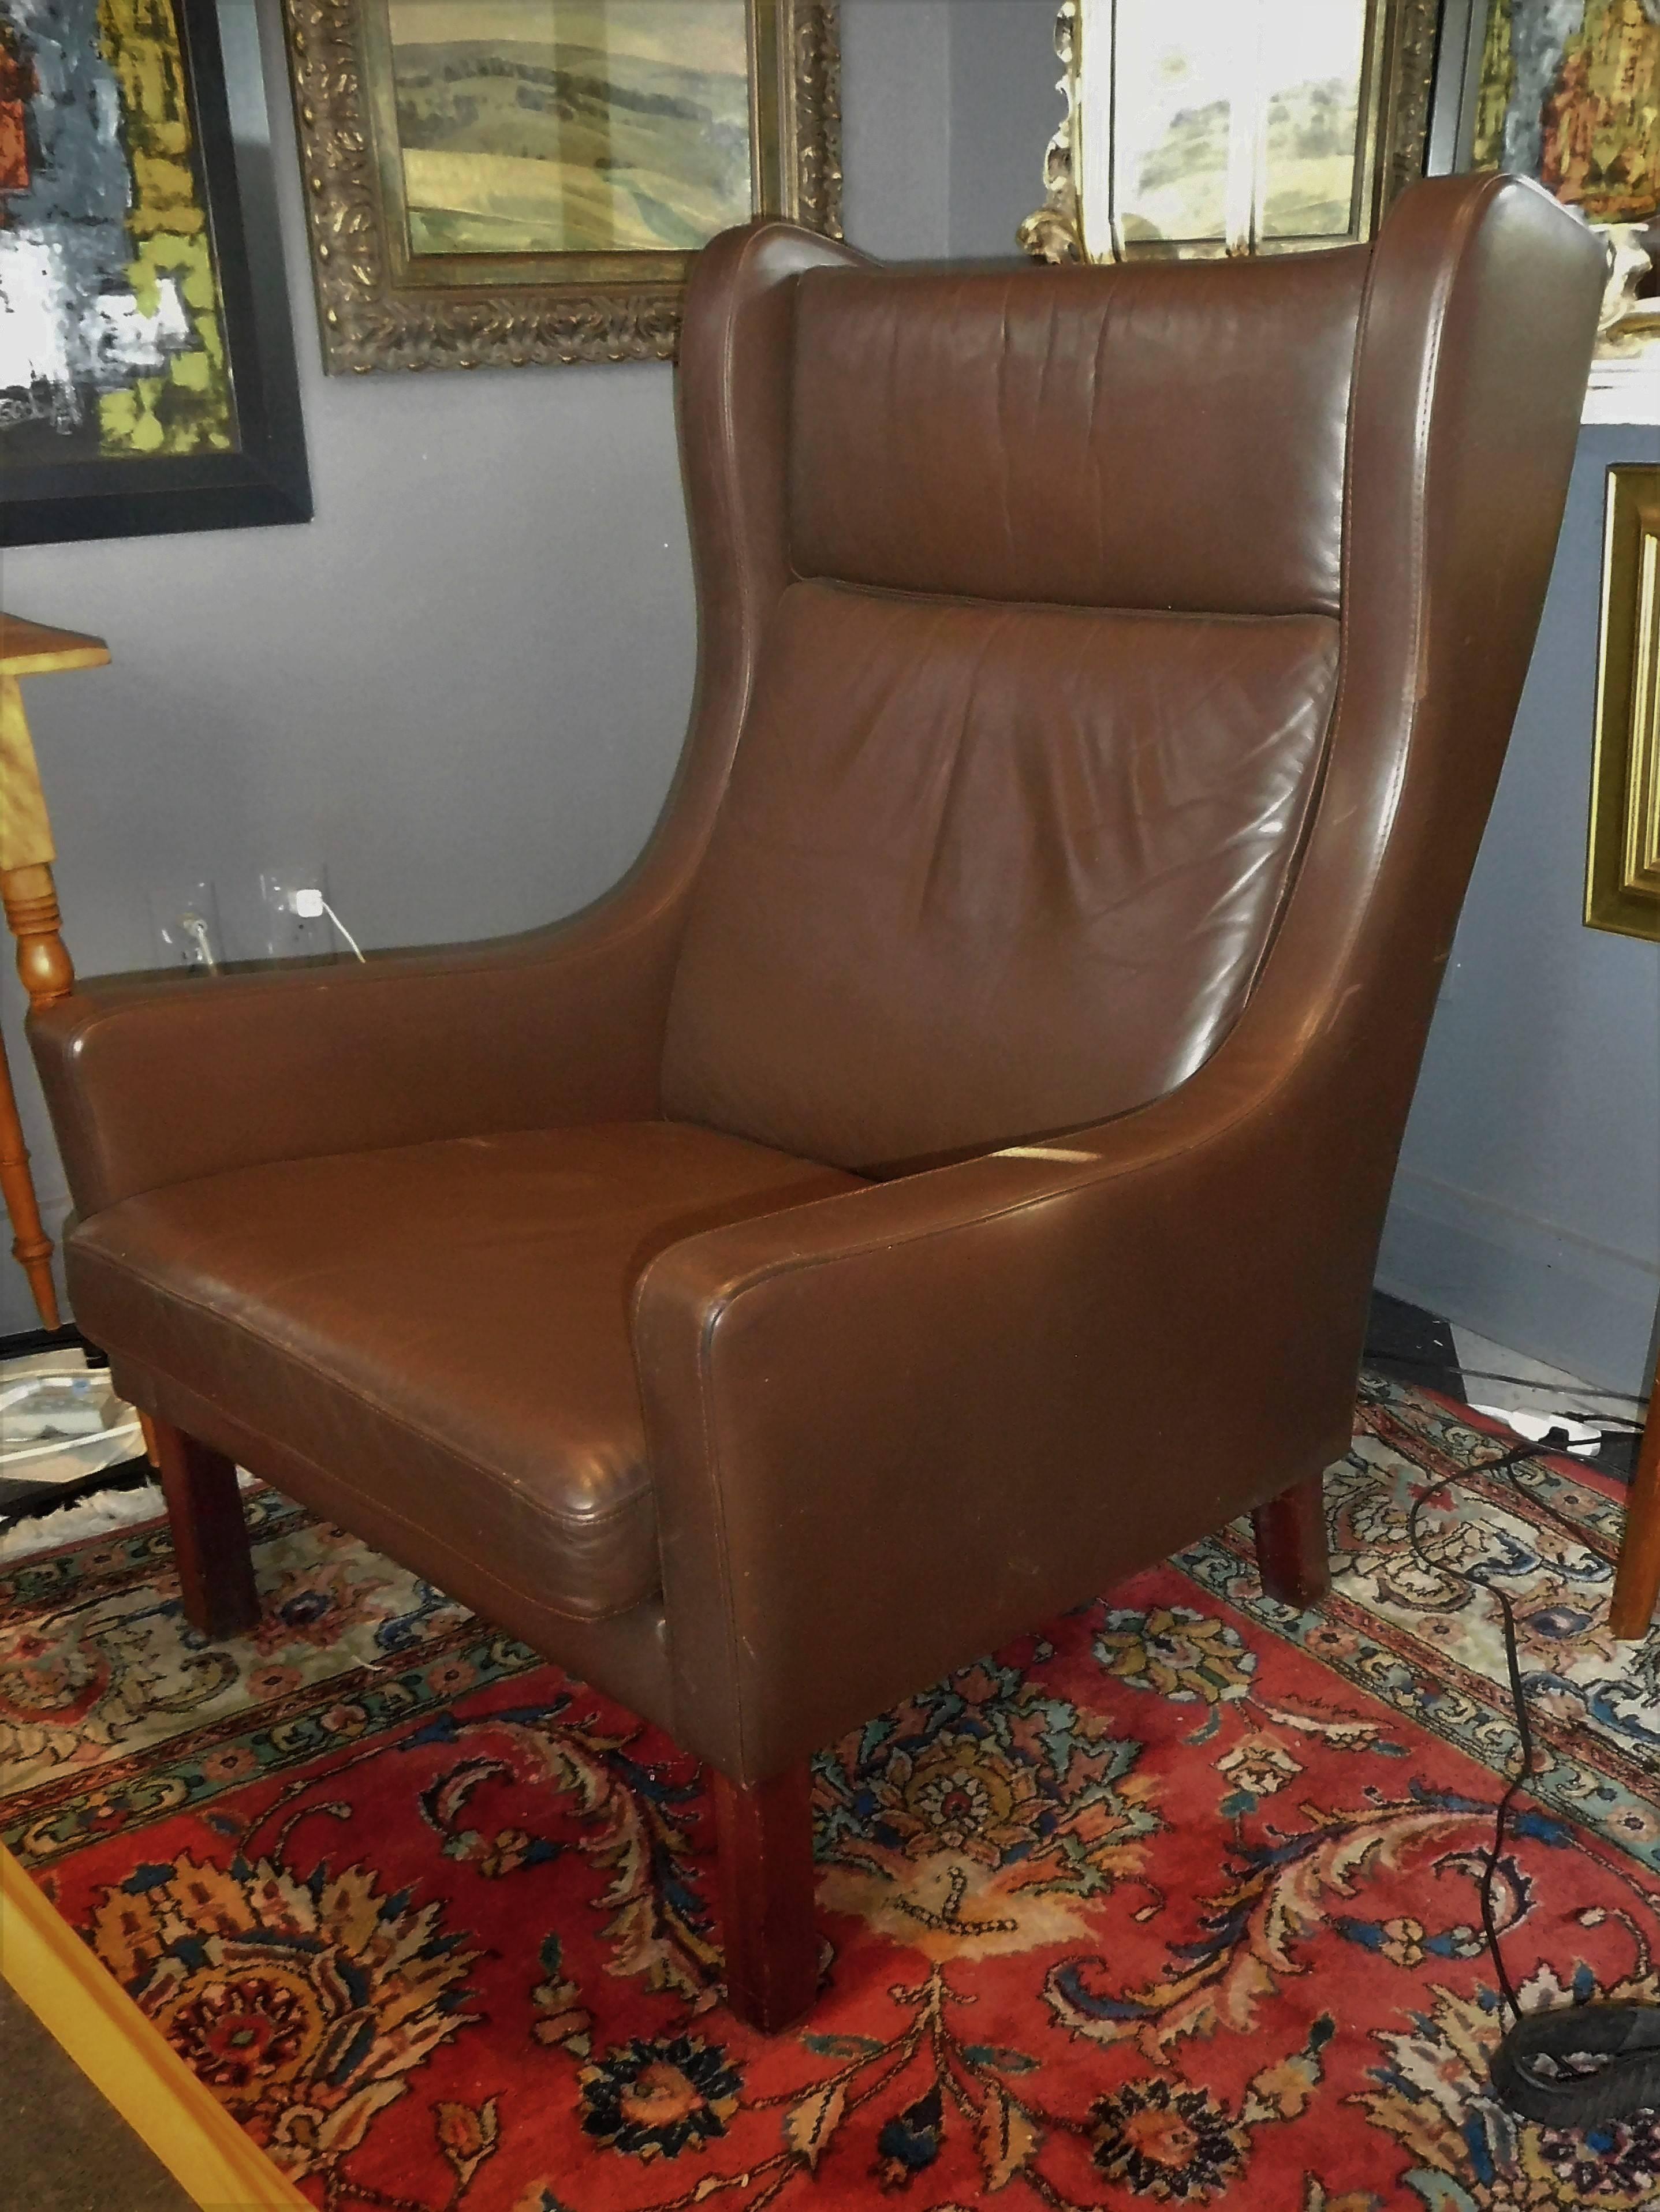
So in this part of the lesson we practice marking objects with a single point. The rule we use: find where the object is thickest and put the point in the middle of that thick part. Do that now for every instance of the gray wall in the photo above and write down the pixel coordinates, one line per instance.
(896, 126)
(1005, 108)
(1528, 1204)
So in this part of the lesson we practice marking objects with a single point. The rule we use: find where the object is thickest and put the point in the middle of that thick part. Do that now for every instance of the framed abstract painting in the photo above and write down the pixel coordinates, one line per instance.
(147, 371)
(497, 182)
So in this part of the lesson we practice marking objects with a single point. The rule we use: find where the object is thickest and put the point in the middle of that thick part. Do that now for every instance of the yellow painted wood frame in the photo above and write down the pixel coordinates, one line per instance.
(1622, 876)
(127, 2059)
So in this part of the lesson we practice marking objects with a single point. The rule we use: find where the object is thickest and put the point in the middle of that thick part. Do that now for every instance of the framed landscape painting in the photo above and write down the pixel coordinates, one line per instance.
(147, 373)
(507, 181)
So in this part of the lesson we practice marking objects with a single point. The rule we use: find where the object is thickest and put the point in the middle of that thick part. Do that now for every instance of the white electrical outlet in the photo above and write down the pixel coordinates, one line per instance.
(294, 924)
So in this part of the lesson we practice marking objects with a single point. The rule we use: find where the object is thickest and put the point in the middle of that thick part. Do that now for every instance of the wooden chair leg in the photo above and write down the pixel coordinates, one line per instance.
(1637, 1580)
(764, 1834)
(209, 1536)
(1291, 1544)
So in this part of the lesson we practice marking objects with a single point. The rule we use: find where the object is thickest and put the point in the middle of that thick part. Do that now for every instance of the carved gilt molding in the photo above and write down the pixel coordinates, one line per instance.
(817, 122)
(1055, 231)
(378, 309)
(1622, 876)
(1409, 82)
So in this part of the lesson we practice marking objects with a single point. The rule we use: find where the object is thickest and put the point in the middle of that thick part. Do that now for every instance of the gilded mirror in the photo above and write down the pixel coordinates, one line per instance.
(1232, 127)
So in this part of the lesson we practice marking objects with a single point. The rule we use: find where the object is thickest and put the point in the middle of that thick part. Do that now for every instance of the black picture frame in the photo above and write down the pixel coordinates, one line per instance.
(265, 480)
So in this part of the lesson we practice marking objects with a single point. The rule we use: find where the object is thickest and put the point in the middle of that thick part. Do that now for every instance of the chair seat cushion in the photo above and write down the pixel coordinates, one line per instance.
(443, 1327)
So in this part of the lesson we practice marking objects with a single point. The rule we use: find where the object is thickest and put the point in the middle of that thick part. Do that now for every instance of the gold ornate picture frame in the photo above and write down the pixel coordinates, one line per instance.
(384, 305)
(1622, 877)
(1397, 86)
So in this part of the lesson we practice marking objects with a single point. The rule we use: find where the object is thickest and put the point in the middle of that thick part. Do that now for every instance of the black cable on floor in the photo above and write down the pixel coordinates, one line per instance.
(1375, 1355)
(1541, 2067)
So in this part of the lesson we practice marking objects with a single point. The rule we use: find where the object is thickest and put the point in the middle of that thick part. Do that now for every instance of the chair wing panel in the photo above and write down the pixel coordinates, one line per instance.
(911, 1367)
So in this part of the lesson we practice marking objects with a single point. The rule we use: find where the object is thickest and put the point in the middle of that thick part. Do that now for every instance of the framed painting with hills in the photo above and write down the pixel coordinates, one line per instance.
(496, 182)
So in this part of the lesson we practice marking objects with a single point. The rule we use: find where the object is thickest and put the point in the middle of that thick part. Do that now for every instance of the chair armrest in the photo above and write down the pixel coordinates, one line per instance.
(155, 1083)
(892, 1428)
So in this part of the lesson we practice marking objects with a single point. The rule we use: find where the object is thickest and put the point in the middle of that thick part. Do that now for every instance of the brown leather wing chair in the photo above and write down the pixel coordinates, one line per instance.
(945, 1175)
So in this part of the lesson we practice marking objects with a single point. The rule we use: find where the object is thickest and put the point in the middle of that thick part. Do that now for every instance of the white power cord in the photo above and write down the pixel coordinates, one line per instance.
(311, 906)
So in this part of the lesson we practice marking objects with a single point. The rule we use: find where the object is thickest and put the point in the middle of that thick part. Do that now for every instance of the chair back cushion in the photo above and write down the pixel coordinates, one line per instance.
(1037, 726)
(1161, 435)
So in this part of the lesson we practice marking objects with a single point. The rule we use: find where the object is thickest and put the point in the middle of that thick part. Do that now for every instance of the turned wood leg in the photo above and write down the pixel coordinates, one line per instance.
(30, 899)
(31, 1247)
(1291, 1544)
(209, 1536)
(1637, 1580)
(30, 903)
(764, 1834)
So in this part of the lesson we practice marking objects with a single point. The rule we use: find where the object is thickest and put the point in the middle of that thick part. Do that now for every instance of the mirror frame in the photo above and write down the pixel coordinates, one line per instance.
(1402, 38)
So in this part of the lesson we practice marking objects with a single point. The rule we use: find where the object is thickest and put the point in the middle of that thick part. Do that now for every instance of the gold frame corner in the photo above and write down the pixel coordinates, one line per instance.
(1622, 866)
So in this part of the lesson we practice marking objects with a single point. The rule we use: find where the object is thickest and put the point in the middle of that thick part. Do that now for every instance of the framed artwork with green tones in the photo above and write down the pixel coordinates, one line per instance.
(147, 375)
(499, 182)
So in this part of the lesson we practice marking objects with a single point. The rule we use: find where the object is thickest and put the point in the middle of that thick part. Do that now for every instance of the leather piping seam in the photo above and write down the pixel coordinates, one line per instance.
(717, 1488)
(420, 1529)
(1087, 611)
(566, 1523)
(1331, 612)
(746, 624)
(237, 991)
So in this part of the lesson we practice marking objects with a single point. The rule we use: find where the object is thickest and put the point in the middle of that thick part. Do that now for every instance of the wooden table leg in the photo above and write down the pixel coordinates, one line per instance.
(1637, 1580)
(31, 1245)
(30, 899)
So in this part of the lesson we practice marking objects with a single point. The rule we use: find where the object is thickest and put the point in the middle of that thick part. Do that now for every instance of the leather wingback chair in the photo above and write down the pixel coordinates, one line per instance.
(945, 1175)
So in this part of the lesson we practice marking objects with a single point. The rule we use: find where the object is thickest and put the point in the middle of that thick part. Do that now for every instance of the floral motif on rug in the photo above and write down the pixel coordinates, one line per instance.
(1172, 1902)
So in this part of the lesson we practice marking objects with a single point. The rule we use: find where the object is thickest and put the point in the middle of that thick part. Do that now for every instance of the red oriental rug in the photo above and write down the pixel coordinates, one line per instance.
(1171, 1903)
